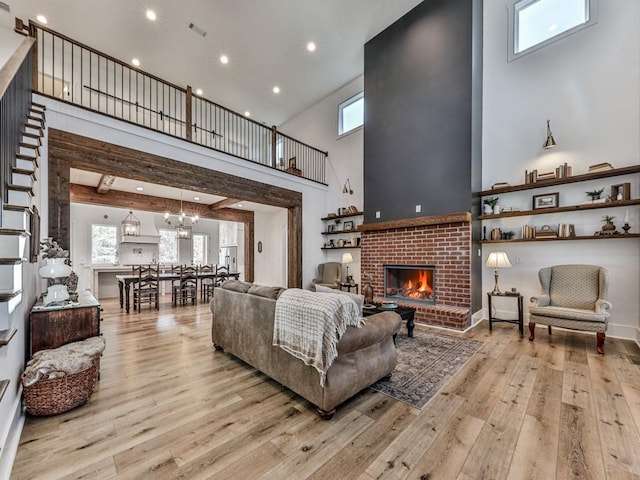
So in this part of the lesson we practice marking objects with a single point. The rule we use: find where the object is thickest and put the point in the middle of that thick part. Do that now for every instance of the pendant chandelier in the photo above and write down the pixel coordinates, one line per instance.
(183, 231)
(131, 225)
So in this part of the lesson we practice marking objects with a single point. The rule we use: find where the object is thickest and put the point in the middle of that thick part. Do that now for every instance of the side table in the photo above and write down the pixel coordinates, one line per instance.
(349, 286)
(519, 321)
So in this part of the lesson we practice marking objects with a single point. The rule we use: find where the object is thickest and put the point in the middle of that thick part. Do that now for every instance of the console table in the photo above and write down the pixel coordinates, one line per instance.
(54, 326)
(406, 313)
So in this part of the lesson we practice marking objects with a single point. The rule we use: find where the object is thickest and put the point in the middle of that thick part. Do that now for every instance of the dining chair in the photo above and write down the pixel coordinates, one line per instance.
(175, 283)
(188, 287)
(147, 288)
(222, 275)
(206, 283)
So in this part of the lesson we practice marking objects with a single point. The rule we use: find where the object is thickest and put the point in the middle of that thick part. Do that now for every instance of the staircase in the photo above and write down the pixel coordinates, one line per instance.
(17, 227)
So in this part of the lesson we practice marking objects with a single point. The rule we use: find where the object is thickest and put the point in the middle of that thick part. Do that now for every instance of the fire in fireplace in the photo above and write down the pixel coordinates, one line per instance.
(410, 282)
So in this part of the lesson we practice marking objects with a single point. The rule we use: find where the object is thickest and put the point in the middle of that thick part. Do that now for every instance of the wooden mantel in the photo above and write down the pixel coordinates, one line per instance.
(416, 222)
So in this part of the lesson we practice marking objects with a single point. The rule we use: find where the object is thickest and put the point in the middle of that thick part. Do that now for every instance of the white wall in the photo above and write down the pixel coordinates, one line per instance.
(318, 125)
(588, 84)
(9, 42)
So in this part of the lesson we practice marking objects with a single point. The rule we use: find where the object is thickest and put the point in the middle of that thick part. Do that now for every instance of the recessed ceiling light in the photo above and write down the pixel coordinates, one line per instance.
(198, 91)
(135, 61)
(42, 19)
(151, 15)
(224, 59)
(196, 198)
(311, 47)
(247, 113)
(553, 27)
(276, 89)
(140, 189)
(239, 205)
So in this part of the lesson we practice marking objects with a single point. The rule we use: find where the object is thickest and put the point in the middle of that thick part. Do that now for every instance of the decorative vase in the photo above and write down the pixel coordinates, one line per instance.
(367, 291)
(608, 227)
(55, 269)
(496, 210)
(488, 209)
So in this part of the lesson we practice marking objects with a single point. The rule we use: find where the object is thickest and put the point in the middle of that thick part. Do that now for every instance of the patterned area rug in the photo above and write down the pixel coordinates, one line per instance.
(426, 363)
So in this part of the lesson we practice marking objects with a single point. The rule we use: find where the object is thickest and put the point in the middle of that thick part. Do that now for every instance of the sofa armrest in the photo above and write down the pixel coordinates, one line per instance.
(603, 306)
(377, 328)
(540, 301)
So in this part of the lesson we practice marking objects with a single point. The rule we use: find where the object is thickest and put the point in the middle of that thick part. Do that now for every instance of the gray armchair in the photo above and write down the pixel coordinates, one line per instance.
(329, 275)
(573, 297)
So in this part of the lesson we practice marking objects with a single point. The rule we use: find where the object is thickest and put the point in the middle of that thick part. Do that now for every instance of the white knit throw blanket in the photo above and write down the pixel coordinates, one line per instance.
(308, 325)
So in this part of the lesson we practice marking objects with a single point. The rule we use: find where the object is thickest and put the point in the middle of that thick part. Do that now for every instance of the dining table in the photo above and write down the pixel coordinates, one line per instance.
(125, 282)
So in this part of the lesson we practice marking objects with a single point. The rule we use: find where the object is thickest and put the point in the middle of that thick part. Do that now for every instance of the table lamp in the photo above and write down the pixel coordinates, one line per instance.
(497, 260)
(347, 259)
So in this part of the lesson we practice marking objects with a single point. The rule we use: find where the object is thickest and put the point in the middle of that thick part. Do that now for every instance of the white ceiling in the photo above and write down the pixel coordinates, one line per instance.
(265, 41)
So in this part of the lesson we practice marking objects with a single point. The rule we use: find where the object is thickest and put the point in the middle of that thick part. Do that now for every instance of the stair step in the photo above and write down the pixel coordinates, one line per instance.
(3, 387)
(27, 158)
(39, 105)
(6, 336)
(19, 178)
(10, 277)
(37, 120)
(36, 128)
(9, 300)
(35, 136)
(28, 148)
(24, 171)
(16, 217)
(38, 113)
(12, 261)
(13, 242)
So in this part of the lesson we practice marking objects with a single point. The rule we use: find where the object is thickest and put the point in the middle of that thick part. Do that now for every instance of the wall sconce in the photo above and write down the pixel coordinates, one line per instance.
(131, 225)
(347, 188)
(550, 143)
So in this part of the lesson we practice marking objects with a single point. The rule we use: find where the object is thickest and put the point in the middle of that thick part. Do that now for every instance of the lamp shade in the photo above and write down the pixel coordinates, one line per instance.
(498, 260)
(347, 258)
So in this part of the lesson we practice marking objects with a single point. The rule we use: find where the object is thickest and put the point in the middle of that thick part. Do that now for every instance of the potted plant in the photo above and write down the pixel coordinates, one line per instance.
(595, 194)
(608, 226)
(490, 205)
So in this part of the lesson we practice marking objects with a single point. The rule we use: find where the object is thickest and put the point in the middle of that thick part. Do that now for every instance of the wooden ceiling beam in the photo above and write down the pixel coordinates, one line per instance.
(148, 203)
(227, 202)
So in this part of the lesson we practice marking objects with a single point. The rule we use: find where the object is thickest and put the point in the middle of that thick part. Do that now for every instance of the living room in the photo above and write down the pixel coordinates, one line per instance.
(563, 82)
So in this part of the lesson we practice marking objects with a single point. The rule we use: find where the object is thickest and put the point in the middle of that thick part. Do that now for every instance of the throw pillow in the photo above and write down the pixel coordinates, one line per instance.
(236, 286)
(264, 291)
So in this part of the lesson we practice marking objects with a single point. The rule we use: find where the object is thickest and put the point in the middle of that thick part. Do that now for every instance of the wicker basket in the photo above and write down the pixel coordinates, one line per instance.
(57, 395)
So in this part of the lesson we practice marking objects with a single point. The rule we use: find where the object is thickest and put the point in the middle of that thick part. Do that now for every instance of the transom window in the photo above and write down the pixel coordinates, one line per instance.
(351, 114)
(537, 23)
(104, 244)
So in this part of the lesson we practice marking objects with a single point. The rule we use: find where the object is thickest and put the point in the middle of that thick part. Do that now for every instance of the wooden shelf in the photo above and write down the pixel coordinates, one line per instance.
(562, 181)
(346, 215)
(558, 239)
(340, 232)
(6, 336)
(3, 387)
(339, 248)
(569, 208)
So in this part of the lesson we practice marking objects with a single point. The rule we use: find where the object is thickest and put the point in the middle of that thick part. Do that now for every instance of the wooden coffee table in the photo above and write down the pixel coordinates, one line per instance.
(406, 313)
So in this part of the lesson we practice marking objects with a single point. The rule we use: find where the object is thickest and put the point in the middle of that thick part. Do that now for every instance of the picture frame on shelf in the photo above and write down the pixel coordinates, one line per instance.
(353, 209)
(546, 200)
(330, 228)
(621, 191)
(347, 226)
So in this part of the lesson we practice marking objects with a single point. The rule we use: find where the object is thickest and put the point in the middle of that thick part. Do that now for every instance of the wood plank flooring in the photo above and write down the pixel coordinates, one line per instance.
(168, 406)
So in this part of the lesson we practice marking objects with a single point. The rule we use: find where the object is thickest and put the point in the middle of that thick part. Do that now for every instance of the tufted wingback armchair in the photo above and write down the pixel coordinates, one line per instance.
(329, 275)
(573, 297)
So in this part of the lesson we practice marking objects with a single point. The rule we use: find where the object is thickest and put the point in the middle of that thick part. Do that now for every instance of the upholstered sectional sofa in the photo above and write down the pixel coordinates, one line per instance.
(243, 325)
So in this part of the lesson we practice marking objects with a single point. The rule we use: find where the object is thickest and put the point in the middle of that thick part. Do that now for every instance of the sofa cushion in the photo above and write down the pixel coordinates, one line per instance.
(236, 286)
(265, 291)
(359, 299)
(379, 327)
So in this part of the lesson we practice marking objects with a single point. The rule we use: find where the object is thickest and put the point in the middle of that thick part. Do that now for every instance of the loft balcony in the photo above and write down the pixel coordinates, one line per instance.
(78, 74)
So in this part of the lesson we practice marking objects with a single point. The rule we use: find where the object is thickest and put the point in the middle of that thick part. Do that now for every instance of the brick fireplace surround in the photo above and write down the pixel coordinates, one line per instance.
(441, 240)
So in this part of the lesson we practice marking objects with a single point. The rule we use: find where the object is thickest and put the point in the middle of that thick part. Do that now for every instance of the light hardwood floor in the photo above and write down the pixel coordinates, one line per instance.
(169, 406)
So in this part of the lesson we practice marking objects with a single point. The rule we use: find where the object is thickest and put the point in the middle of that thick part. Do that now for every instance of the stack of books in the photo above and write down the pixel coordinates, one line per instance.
(547, 175)
(600, 167)
(566, 230)
(530, 176)
(546, 234)
(528, 231)
(564, 171)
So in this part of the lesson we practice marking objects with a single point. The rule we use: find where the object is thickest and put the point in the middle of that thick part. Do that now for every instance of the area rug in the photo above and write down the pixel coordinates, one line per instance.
(426, 363)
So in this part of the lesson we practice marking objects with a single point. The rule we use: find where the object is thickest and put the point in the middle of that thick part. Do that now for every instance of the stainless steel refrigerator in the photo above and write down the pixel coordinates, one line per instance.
(228, 257)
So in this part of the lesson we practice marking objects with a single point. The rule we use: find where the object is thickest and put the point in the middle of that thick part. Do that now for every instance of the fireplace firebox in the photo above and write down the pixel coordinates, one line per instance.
(415, 283)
